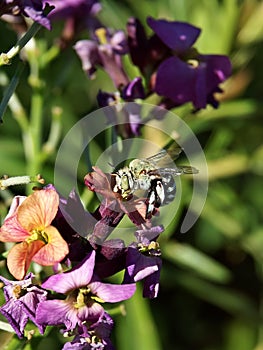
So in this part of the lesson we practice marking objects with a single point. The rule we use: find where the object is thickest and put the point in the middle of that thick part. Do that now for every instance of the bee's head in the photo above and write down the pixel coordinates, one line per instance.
(139, 166)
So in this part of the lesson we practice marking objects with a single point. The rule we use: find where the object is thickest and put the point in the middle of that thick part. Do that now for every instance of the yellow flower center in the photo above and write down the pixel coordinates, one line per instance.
(18, 292)
(101, 35)
(38, 235)
(83, 297)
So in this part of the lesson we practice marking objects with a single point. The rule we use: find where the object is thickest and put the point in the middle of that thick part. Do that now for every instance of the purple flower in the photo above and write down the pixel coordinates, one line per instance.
(127, 123)
(97, 336)
(106, 52)
(22, 299)
(77, 9)
(84, 294)
(145, 52)
(28, 8)
(187, 75)
(133, 90)
(143, 261)
(178, 36)
(77, 16)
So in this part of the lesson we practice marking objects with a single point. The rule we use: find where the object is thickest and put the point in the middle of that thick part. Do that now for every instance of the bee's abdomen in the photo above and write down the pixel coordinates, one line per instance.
(169, 189)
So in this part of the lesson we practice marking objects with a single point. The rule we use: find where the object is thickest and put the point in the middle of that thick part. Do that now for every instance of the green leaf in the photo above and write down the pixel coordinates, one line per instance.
(187, 256)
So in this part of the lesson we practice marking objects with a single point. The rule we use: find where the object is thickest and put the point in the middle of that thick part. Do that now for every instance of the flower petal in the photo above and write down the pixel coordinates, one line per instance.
(151, 285)
(12, 231)
(15, 317)
(75, 278)
(54, 251)
(139, 266)
(178, 36)
(38, 210)
(20, 256)
(112, 293)
(17, 200)
(56, 312)
(176, 80)
(92, 312)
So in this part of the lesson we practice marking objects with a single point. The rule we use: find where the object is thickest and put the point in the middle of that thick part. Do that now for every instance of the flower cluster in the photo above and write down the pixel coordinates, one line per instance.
(43, 230)
(169, 65)
(29, 8)
(50, 230)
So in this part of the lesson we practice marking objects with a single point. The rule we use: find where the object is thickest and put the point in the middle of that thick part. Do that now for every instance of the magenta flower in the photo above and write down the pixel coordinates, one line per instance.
(28, 8)
(84, 295)
(22, 299)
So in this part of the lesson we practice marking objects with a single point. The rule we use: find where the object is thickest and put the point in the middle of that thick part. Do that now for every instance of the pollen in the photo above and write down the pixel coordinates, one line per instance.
(101, 34)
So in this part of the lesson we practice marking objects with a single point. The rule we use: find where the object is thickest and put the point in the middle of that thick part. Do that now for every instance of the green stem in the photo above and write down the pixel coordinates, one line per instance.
(6, 58)
(33, 137)
(10, 90)
(34, 165)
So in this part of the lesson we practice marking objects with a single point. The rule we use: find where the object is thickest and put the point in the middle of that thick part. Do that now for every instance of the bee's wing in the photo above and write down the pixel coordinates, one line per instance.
(178, 170)
(165, 158)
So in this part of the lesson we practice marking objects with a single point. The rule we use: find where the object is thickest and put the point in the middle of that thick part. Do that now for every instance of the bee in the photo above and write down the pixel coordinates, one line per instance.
(155, 175)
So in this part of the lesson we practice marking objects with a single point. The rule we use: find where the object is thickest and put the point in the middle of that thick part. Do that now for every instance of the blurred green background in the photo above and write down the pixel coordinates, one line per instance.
(211, 295)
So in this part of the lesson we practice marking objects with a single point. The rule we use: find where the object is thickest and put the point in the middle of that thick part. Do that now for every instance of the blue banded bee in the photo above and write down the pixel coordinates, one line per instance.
(155, 175)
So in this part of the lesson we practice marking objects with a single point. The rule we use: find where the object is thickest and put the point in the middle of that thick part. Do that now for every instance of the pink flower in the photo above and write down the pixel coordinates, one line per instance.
(30, 224)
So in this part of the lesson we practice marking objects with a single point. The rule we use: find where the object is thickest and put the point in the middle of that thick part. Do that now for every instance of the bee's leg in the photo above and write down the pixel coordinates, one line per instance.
(155, 197)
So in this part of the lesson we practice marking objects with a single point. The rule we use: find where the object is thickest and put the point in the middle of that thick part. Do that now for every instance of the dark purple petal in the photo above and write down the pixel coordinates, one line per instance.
(178, 36)
(137, 41)
(73, 8)
(110, 259)
(112, 293)
(218, 69)
(35, 12)
(105, 99)
(132, 116)
(75, 278)
(29, 8)
(176, 80)
(133, 90)
(151, 285)
(139, 266)
(184, 82)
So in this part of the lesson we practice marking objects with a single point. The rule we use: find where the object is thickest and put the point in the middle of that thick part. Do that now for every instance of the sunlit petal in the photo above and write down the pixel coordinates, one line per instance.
(78, 277)
(12, 231)
(112, 293)
(54, 251)
(20, 256)
(56, 312)
(38, 210)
